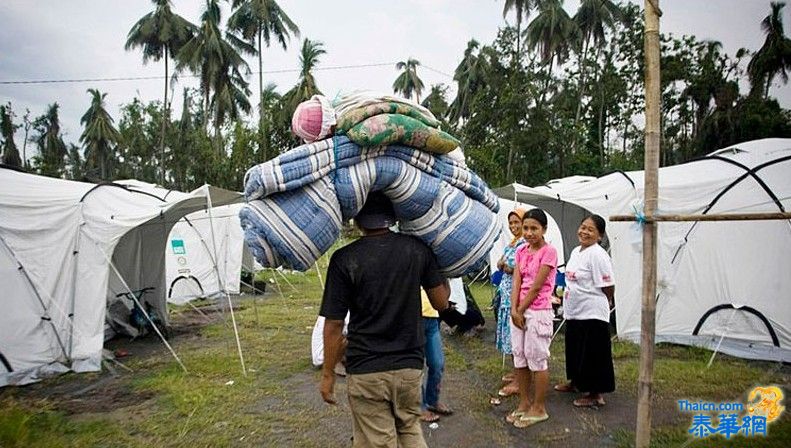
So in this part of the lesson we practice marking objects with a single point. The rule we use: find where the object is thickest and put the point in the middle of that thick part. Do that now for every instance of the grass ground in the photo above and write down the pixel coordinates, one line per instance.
(277, 403)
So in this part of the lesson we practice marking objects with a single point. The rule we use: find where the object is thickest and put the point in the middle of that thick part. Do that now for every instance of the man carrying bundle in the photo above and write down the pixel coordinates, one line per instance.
(377, 279)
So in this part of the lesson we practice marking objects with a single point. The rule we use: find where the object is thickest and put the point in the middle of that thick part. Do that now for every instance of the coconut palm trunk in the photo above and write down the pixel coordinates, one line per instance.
(163, 128)
(263, 142)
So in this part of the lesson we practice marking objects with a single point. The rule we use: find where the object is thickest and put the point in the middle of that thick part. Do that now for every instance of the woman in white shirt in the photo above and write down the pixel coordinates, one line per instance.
(590, 291)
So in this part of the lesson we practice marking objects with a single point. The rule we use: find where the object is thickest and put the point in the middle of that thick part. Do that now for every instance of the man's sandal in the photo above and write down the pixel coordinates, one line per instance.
(429, 417)
(441, 410)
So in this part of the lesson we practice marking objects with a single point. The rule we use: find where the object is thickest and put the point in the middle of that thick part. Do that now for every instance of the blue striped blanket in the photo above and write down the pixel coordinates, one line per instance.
(298, 201)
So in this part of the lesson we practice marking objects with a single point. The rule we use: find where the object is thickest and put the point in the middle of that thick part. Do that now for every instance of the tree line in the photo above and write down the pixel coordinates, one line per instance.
(553, 95)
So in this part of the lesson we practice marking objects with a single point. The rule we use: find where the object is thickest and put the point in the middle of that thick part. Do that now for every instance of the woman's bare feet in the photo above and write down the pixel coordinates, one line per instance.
(509, 389)
(565, 387)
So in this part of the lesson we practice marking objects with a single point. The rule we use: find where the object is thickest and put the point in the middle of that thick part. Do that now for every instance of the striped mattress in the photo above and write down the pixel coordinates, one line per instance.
(298, 201)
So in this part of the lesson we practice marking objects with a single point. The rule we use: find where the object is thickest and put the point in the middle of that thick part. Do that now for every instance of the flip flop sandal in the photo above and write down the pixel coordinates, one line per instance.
(513, 416)
(525, 420)
(440, 411)
(587, 402)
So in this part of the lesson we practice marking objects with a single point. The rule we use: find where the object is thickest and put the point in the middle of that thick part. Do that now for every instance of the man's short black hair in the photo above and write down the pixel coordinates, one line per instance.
(377, 212)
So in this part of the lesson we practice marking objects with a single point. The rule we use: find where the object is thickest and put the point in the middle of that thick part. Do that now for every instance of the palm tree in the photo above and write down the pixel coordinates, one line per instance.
(306, 85)
(261, 20)
(218, 63)
(703, 86)
(435, 101)
(160, 34)
(408, 81)
(522, 9)
(100, 135)
(270, 100)
(552, 32)
(592, 18)
(230, 98)
(470, 75)
(774, 56)
(7, 128)
(51, 148)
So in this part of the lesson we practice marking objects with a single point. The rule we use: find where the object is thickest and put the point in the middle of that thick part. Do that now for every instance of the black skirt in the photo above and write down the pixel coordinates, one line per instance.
(589, 356)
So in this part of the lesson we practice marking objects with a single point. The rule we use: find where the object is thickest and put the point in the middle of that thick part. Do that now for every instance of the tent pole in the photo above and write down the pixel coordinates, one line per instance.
(44, 307)
(221, 283)
(140, 305)
(206, 247)
(76, 257)
(653, 103)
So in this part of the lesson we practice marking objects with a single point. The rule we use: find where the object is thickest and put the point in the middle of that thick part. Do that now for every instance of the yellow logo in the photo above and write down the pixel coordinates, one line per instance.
(765, 401)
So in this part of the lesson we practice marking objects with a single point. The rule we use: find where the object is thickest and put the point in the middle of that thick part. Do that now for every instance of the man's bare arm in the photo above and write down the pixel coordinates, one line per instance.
(438, 296)
(333, 350)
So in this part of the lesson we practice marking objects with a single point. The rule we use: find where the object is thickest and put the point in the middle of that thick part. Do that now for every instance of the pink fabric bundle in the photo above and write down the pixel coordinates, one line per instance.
(313, 119)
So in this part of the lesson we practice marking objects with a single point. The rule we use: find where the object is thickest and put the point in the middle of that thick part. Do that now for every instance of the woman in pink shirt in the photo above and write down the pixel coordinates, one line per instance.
(531, 318)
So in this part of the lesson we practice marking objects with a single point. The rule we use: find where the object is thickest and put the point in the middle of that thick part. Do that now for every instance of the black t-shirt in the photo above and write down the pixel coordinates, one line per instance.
(377, 280)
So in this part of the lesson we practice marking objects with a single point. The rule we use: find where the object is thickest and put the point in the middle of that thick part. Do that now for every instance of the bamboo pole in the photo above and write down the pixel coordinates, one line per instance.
(652, 140)
(720, 217)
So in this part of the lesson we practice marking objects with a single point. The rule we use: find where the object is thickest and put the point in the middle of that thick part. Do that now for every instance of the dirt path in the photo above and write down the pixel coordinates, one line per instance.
(476, 423)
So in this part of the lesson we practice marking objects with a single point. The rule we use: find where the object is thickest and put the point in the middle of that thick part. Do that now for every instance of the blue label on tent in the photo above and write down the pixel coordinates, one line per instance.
(178, 247)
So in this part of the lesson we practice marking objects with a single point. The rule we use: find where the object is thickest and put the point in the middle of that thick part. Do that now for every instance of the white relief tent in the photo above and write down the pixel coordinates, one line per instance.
(193, 268)
(63, 245)
(721, 285)
(205, 250)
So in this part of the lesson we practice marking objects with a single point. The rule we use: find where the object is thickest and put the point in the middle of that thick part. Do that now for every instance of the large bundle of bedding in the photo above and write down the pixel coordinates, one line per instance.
(298, 201)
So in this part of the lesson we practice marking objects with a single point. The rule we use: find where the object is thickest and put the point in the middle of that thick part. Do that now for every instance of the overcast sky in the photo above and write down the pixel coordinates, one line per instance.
(78, 39)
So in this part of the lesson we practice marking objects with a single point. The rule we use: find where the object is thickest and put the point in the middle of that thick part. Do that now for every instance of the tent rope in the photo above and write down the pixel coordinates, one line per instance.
(137, 302)
(711, 360)
(220, 280)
